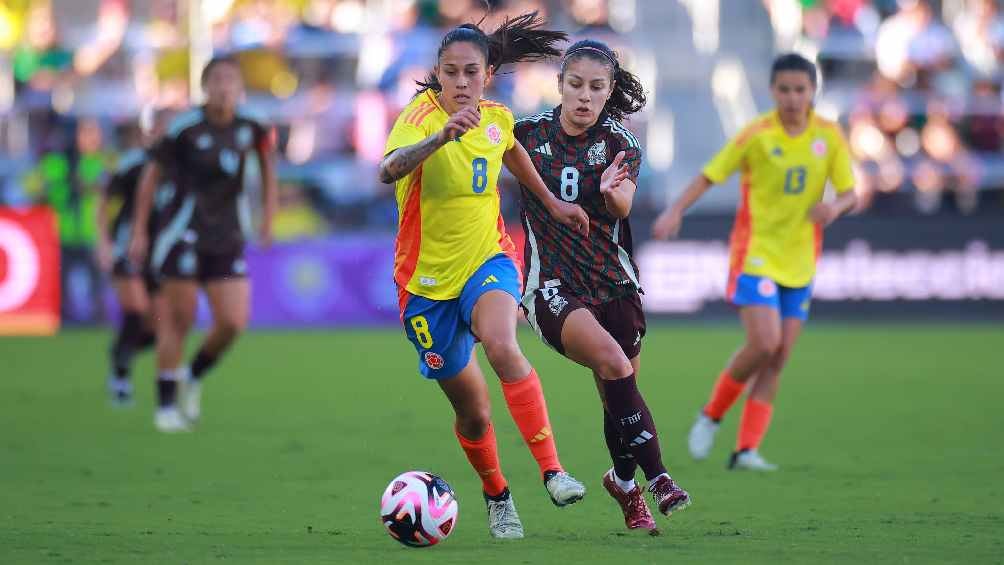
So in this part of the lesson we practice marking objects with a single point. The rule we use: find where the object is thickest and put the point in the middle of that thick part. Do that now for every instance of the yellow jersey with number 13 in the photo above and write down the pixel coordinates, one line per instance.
(781, 179)
(449, 220)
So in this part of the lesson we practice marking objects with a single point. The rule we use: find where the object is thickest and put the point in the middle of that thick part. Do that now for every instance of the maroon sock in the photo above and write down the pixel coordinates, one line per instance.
(630, 413)
(624, 463)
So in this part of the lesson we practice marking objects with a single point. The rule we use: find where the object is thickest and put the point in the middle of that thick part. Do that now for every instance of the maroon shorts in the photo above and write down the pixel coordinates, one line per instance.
(183, 261)
(622, 317)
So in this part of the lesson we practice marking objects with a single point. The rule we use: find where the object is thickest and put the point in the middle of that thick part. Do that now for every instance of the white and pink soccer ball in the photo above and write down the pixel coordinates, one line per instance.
(418, 509)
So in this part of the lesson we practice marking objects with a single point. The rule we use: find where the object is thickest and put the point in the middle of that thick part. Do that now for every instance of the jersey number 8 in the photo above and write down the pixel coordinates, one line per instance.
(480, 180)
(569, 184)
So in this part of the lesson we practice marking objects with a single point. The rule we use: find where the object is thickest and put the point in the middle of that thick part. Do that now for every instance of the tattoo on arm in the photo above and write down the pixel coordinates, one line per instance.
(402, 161)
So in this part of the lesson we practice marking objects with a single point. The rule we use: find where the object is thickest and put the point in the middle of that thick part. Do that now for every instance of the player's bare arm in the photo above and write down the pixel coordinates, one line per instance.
(617, 189)
(517, 160)
(825, 213)
(270, 193)
(668, 223)
(148, 182)
(104, 246)
(400, 162)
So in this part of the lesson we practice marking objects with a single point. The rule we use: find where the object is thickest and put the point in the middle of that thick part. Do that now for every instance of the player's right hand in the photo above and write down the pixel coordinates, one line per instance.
(103, 255)
(459, 123)
(137, 247)
(667, 225)
(572, 215)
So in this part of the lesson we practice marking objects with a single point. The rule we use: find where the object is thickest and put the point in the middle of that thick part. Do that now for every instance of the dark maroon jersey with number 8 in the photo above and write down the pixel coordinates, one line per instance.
(598, 267)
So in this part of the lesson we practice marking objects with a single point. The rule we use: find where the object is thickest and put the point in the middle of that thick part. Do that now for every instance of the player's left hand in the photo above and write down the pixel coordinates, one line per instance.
(614, 175)
(824, 214)
(265, 233)
(572, 215)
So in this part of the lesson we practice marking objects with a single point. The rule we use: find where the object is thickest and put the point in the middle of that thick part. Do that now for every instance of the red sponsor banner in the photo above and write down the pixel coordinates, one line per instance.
(29, 272)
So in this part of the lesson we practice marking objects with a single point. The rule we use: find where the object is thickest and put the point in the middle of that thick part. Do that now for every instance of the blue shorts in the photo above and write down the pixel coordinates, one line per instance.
(440, 330)
(791, 302)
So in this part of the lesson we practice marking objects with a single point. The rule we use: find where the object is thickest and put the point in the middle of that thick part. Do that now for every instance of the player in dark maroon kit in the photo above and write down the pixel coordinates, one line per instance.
(206, 151)
(582, 292)
(132, 282)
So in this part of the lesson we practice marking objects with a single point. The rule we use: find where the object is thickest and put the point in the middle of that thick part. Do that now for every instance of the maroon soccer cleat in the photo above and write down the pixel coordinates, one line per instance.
(668, 495)
(636, 513)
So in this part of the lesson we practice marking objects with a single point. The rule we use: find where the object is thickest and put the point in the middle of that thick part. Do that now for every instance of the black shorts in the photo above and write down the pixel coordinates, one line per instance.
(184, 261)
(623, 318)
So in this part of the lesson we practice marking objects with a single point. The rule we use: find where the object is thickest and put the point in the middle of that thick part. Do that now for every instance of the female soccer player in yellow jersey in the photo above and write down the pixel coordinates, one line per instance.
(453, 264)
(785, 158)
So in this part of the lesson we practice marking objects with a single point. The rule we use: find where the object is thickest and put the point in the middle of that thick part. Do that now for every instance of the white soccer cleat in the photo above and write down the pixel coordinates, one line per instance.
(190, 399)
(702, 436)
(169, 420)
(503, 521)
(751, 460)
(564, 489)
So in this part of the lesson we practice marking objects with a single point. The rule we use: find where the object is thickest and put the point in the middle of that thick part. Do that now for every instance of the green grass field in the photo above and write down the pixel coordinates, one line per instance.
(890, 439)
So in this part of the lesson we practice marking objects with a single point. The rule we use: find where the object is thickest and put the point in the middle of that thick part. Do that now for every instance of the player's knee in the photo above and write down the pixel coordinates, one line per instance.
(611, 363)
(780, 357)
(231, 326)
(765, 345)
(473, 424)
(181, 321)
(501, 350)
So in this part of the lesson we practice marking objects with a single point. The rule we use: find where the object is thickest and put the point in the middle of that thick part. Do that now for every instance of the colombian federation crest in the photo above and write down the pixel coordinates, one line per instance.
(819, 147)
(434, 360)
(766, 287)
(494, 133)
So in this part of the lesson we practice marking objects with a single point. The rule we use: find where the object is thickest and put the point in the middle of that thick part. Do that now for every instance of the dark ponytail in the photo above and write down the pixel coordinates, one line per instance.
(517, 39)
(628, 95)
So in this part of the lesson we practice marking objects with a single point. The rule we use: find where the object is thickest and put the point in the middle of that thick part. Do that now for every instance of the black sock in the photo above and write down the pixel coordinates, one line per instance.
(624, 463)
(146, 339)
(498, 497)
(126, 343)
(202, 363)
(632, 417)
(167, 388)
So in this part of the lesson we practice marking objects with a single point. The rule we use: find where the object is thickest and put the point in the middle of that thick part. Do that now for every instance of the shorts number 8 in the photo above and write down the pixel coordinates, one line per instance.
(421, 327)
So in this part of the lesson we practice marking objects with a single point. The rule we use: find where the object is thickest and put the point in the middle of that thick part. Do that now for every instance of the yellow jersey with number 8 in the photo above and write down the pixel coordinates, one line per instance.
(781, 179)
(449, 220)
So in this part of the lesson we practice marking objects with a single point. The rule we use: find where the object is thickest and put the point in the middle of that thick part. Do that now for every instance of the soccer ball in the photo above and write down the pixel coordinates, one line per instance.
(418, 509)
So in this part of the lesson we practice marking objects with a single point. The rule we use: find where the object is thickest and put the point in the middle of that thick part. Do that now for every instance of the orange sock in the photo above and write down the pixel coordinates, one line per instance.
(529, 410)
(484, 457)
(723, 396)
(754, 423)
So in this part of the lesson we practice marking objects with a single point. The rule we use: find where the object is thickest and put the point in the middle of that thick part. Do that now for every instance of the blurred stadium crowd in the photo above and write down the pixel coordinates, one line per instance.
(916, 84)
